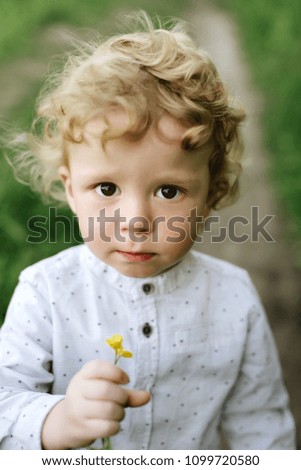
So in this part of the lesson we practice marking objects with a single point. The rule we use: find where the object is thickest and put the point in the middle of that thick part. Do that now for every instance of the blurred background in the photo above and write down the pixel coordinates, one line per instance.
(254, 45)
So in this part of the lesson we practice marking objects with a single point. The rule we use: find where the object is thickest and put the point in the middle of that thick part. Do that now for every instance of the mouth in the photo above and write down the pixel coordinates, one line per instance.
(136, 257)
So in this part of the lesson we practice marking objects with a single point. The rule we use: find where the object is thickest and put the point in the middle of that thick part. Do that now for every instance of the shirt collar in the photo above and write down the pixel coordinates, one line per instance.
(140, 287)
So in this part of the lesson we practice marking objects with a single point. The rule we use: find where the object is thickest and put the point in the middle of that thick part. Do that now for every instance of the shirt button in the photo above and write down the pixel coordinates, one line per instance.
(147, 330)
(148, 288)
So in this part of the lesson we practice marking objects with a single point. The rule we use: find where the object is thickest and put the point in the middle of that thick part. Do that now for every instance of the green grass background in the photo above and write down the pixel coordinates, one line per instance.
(271, 36)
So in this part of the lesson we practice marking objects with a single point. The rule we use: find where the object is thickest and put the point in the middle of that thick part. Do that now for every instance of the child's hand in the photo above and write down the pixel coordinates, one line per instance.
(93, 407)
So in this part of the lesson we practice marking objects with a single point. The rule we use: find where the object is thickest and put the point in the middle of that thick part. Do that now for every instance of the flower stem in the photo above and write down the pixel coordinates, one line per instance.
(106, 443)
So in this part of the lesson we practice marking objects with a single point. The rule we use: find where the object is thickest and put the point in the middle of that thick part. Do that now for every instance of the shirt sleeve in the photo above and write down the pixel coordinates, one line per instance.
(25, 368)
(256, 414)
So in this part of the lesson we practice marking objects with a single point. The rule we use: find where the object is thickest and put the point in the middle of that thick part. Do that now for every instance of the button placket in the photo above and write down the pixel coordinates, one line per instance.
(147, 362)
(147, 288)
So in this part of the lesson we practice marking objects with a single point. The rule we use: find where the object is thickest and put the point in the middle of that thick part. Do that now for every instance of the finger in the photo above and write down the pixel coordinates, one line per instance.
(99, 389)
(101, 428)
(99, 369)
(104, 410)
(138, 398)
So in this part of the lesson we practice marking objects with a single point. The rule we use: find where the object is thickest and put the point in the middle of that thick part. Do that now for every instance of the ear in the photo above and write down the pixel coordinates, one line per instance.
(64, 174)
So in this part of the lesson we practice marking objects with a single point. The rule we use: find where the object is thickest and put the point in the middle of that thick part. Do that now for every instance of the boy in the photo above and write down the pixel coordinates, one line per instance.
(144, 138)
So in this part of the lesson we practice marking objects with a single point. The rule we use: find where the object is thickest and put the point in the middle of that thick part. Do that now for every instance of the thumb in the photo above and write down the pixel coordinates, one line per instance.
(138, 398)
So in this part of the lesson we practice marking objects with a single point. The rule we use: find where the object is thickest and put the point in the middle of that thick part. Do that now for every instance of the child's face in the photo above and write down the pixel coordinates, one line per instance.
(136, 201)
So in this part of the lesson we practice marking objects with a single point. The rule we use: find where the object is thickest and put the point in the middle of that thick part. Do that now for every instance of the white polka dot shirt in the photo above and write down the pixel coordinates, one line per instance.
(200, 341)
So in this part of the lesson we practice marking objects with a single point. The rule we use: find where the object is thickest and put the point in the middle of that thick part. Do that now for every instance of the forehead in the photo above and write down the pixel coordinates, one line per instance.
(159, 148)
(118, 119)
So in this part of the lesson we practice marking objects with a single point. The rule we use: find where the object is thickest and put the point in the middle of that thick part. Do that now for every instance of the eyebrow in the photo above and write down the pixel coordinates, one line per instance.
(176, 180)
(89, 174)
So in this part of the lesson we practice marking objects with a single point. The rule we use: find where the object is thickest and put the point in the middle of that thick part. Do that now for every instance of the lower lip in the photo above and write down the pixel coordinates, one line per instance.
(140, 257)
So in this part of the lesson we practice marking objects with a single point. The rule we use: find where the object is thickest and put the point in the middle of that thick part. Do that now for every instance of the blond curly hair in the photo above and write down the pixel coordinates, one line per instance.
(148, 72)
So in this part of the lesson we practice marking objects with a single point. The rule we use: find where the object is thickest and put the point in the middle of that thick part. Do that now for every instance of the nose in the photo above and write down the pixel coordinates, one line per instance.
(136, 216)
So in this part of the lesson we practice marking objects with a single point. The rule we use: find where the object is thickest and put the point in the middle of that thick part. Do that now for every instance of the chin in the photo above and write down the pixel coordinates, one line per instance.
(137, 271)
(142, 270)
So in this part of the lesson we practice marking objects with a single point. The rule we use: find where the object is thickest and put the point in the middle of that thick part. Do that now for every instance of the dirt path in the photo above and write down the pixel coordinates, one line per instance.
(271, 265)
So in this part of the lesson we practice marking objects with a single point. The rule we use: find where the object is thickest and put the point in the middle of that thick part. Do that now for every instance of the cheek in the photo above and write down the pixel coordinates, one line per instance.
(183, 223)
(177, 245)
(87, 219)
(176, 233)
(95, 229)
(87, 227)
(88, 213)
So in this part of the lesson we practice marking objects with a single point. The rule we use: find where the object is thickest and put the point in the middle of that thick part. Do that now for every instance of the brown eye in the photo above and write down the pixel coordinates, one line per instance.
(107, 189)
(168, 192)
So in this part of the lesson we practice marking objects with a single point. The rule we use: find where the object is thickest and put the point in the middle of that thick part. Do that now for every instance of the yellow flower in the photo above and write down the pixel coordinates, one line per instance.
(126, 354)
(115, 342)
